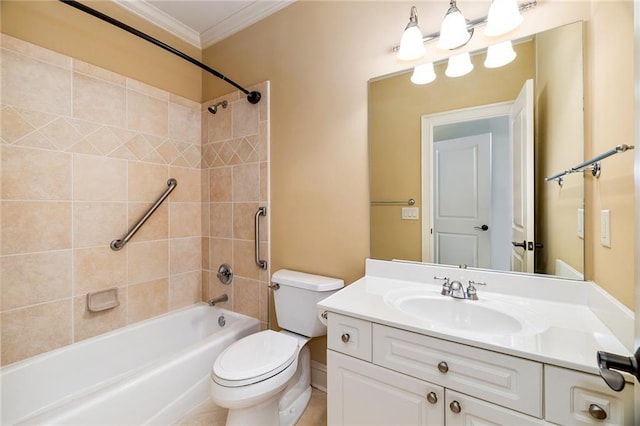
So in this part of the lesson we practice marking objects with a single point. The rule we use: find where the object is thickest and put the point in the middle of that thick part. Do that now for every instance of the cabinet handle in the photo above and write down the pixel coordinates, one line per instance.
(597, 412)
(443, 367)
(455, 407)
(345, 337)
(432, 397)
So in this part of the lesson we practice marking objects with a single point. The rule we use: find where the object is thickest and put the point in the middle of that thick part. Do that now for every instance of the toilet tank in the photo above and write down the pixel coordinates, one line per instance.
(296, 298)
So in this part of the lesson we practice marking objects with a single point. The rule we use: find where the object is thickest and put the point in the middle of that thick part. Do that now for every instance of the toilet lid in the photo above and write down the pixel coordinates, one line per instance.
(254, 358)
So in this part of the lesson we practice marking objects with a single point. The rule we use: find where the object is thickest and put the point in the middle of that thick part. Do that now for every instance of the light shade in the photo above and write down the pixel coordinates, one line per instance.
(499, 54)
(453, 32)
(504, 16)
(459, 65)
(411, 43)
(423, 74)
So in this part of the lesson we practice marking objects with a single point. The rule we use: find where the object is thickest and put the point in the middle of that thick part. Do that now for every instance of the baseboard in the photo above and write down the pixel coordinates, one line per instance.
(319, 376)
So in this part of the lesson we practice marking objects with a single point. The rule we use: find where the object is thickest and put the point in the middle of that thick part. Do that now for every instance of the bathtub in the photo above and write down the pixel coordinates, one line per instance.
(151, 372)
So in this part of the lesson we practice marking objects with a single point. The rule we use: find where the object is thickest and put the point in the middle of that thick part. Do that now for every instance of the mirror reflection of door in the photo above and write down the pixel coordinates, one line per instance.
(522, 223)
(462, 201)
(478, 158)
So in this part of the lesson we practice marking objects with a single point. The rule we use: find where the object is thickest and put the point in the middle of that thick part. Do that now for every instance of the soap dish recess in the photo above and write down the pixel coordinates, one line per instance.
(102, 300)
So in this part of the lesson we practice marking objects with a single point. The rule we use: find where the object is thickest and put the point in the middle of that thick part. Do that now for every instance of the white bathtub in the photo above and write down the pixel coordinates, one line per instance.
(152, 372)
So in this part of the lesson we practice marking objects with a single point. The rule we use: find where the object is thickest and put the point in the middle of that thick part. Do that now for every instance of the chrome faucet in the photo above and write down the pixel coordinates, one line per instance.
(219, 299)
(456, 289)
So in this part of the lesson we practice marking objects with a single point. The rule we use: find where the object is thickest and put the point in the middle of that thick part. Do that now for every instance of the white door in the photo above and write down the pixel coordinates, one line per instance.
(522, 229)
(462, 201)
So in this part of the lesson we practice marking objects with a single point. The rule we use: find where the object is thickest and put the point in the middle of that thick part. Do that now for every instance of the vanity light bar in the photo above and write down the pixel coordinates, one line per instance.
(471, 24)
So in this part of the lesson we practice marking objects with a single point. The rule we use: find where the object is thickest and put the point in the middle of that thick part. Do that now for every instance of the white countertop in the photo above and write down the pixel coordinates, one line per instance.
(571, 332)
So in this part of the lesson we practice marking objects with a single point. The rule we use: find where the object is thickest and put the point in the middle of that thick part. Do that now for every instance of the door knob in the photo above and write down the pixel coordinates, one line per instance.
(517, 244)
(481, 228)
(608, 362)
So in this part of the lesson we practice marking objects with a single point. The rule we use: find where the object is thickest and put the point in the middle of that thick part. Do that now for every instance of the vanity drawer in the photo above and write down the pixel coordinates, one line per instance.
(502, 379)
(348, 335)
(569, 394)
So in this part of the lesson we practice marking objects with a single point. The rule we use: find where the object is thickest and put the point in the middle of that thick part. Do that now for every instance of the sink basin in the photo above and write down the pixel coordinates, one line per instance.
(483, 316)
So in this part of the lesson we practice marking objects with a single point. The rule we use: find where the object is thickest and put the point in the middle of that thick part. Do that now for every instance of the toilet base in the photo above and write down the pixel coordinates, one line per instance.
(291, 415)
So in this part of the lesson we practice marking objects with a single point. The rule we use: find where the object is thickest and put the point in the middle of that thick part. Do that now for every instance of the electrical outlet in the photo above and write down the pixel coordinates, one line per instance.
(605, 228)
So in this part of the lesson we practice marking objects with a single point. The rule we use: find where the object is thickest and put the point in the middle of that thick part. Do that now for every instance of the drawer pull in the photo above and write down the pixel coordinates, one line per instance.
(432, 397)
(455, 407)
(345, 337)
(443, 367)
(597, 412)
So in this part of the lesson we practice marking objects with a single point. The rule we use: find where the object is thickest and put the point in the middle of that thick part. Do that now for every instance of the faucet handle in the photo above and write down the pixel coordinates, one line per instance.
(473, 283)
(472, 293)
(446, 286)
(445, 279)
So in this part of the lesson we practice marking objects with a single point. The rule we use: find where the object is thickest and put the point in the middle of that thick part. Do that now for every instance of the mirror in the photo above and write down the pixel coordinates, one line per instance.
(415, 137)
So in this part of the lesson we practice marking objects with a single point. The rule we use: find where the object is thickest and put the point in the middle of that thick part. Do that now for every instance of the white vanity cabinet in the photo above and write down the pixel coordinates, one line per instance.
(381, 375)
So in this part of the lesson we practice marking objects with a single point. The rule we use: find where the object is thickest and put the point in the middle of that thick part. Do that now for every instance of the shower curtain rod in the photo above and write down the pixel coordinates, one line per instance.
(253, 97)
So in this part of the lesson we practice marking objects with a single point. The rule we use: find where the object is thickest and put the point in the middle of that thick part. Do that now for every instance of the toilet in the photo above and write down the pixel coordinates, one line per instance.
(265, 378)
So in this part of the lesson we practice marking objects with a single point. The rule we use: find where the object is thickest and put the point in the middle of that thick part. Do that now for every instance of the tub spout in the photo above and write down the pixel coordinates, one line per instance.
(218, 299)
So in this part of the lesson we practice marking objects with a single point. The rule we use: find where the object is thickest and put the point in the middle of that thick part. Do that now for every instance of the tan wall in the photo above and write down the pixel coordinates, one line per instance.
(559, 131)
(395, 109)
(609, 123)
(63, 29)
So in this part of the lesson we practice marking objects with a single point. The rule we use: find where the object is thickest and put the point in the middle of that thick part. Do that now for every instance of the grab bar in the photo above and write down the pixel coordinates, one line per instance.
(410, 202)
(118, 244)
(262, 211)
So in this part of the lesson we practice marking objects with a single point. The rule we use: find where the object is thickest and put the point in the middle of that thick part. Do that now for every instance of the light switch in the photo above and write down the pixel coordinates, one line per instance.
(410, 213)
(605, 228)
(581, 223)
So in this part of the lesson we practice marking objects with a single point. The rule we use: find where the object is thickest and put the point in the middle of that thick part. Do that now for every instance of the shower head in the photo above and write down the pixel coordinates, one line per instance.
(214, 108)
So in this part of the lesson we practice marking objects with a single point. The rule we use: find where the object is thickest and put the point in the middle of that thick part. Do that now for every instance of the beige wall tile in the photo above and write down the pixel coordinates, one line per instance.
(220, 220)
(185, 220)
(148, 261)
(30, 226)
(246, 182)
(34, 174)
(35, 278)
(244, 259)
(87, 324)
(189, 184)
(243, 221)
(216, 288)
(98, 268)
(34, 51)
(187, 103)
(205, 286)
(184, 124)
(13, 126)
(155, 228)
(220, 251)
(185, 289)
(219, 124)
(99, 101)
(36, 85)
(97, 224)
(245, 119)
(147, 300)
(36, 329)
(185, 255)
(145, 89)
(206, 230)
(146, 114)
(263, 145)
(146, 182)
(263, 295)
(220, 184)
(100, 73)
(246, 297)
(99, 178)
(205, 252)
(264, 179)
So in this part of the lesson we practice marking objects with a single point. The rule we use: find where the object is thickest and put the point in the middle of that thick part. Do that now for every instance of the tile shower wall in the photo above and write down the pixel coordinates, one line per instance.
(235, 170)
(84, 152)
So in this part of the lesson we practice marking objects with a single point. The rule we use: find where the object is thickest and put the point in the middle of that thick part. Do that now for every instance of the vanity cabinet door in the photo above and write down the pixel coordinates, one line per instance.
(575, 398)
(360, 393)
(351, 336)
(502, 379)
(464, 410)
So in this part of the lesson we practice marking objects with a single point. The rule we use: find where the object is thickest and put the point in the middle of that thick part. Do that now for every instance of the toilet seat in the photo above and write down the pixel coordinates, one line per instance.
(255, 358)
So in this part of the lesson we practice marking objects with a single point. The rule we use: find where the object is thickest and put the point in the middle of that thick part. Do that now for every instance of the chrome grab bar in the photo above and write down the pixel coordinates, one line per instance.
(118, 244)
(262, 211)
(410, 202)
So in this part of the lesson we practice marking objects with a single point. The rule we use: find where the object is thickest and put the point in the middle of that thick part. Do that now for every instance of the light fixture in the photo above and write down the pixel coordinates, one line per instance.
(423, 74)
(453, 32)
(499, 54)
(411, 43)
(504, 16)
(459, 65)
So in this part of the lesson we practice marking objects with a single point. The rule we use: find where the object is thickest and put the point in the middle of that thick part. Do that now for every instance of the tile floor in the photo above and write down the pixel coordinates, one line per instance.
(209, 414)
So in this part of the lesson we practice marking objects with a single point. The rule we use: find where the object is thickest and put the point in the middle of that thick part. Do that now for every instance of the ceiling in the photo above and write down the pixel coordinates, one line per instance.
(203, 22)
